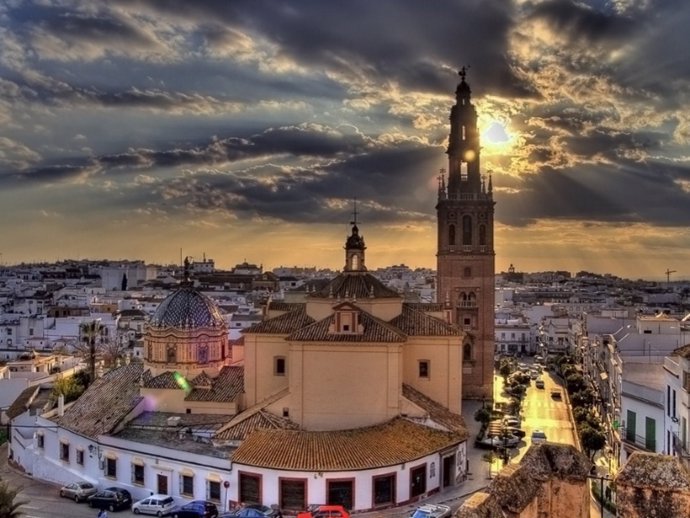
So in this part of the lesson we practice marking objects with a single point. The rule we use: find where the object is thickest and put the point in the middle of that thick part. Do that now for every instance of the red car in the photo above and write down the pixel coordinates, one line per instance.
(325, 511)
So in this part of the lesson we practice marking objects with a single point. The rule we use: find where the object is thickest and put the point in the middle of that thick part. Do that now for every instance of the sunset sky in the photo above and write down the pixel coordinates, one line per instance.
(131, 129)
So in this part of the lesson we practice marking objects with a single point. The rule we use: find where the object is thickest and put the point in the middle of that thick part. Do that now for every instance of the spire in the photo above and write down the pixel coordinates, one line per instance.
(491, 187)
(354, 247)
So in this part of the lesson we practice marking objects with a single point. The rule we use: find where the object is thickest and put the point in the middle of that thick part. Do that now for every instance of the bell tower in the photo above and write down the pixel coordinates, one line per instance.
(465, 251)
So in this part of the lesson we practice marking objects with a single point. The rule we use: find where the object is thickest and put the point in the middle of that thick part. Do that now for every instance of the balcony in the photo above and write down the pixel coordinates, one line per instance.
(467, 304)
(638, 441)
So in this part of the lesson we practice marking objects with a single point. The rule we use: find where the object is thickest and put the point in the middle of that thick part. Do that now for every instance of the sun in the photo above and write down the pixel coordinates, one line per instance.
(496, 138)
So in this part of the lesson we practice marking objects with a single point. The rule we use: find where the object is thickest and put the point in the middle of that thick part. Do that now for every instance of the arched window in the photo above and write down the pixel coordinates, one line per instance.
(467, 352)
(171, 353)
(482, 235)
(202, 353)
(467, 272)
(355, 262)
(451, 235)
(466, 230)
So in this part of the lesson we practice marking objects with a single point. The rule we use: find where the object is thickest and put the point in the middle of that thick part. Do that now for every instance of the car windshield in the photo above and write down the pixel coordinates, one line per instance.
(420, 514)
(166, 501)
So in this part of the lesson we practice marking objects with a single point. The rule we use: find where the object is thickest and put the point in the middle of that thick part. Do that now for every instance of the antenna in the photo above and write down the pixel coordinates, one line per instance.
(668, 275)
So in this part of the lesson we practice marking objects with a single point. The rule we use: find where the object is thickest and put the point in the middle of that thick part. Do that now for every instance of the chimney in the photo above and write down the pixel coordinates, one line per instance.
(61, 405)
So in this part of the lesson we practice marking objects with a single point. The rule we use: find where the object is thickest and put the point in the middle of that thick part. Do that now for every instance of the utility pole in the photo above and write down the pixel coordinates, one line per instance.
(668, 275)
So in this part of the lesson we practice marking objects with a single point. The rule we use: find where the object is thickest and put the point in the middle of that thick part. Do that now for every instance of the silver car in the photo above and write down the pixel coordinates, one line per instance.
(432, 511)
(160, 505)
(78, 491)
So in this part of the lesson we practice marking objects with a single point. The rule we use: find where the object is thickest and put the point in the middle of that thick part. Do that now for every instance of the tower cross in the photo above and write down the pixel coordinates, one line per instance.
(463, 71)
(354, 213)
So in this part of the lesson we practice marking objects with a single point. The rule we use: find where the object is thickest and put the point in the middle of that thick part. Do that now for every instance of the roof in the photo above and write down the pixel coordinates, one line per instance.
(283, 324)
(374, 330)
(187, 308)
(105, 403)
(284, 306)
(644, 469)
(355, 285)
(165, 380)
(261, 420)
(394, 442)
(23, 401)
(437, 412)
(683, 352)
(414, 322)
(226, 387)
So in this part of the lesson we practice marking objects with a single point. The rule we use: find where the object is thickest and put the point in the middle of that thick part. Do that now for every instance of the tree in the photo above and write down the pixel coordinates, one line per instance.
(582, 398)
(124, 282)
(89, 332)
(482, 415)
(69, 387)
(9, 505)
(575, 382)
(505, 369)
(592, 440)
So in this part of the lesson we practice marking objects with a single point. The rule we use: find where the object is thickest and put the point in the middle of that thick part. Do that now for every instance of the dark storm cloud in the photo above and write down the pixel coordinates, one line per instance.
(51, 174)
(628, 192)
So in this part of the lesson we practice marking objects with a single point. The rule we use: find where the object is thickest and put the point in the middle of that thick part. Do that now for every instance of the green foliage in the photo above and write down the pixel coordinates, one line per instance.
(592, 440)
(506, 368)
(3, 435)
(482, 415)
(9, 505)
(584, 416)
(82, 378)
(575, 382)
(582, 398)
(68, 387)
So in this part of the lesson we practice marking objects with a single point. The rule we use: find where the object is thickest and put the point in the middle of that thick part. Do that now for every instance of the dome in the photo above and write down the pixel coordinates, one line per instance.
(186, 307)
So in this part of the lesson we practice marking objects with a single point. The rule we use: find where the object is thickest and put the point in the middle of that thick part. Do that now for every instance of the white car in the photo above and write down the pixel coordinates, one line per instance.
(511, 420)
(538, 436)
(432, 511)
(160, 505)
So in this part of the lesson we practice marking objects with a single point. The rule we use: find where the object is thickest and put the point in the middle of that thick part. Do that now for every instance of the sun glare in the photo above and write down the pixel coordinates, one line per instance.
(496, 138)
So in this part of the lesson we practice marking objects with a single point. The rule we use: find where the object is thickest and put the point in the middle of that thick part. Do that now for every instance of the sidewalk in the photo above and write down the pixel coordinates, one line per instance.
(476, 481)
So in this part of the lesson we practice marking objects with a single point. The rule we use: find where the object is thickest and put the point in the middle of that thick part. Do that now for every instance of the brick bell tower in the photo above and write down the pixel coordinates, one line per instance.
(466, 257)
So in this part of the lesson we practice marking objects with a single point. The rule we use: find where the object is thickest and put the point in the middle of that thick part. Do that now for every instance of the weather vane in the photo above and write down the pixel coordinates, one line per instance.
(463, 71)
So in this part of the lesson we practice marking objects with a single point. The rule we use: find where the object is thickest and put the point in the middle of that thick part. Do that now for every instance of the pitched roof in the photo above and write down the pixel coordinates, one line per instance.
(414, 322)
(283, 324)
(430, 307)
(387, 444)
(165, 380)
(226, 387)
(261, 420)
(284, 306)
(105, 403)
(359, 285)
(375, 330)
(437, 412)
(23, 401)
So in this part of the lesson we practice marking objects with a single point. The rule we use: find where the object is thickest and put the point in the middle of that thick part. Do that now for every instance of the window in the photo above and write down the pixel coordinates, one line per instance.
(384, 490)
(418, 481)
(138, 474)
(250, 488)
(187, 485)
(451, 235)
(340, 492)
(293, 494)
(280, 366)
(482, 235)
(80, 457)
(423, 368)
(466, 230)
(64, 451)
(467, 272)
(466, 353)
(111, 468)
(40, 440)
(213, 490)
(686, 381)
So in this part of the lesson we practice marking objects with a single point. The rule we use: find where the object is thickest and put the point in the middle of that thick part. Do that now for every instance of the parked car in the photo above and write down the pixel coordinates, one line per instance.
(253, 511)
(514, 430)
(325, 511)
(112, 499)
(511, 420)
(160, 505)
(78, 491)
(432, 511)
(539, 383)
(556, 394)
(196, 509)
(538, 436)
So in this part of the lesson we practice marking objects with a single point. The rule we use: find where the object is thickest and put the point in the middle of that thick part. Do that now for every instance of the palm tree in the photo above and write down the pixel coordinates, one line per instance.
(89, 332)
(9, 505)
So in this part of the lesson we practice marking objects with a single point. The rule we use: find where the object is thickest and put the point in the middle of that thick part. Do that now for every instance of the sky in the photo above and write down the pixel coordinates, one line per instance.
(243, 130)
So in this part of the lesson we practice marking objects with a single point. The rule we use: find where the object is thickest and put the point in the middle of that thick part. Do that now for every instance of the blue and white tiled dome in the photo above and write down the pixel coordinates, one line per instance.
(187, 308)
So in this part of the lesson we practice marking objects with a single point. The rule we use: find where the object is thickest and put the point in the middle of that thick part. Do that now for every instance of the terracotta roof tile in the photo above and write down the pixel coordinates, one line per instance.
(226, 387)
(427, 307)
(105, 403)
(284, 306)
(414, 322)
(437, 412)
(391, 443)
(166, 380)
(23, 401)
(375, 330)
(261, 420)
(355, 285)
(283, 324)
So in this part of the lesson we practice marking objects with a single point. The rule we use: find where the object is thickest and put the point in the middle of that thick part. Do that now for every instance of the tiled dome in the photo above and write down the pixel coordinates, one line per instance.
(187, 308)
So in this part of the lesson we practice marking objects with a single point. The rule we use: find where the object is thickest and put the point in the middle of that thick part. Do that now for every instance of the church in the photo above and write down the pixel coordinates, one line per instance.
(352, 397)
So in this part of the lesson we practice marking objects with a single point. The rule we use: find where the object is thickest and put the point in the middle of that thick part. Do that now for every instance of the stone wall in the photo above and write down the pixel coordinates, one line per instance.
(550, 481)
(653, 485)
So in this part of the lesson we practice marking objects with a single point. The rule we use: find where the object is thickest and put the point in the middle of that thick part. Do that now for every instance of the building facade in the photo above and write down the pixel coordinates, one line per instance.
(465, 256)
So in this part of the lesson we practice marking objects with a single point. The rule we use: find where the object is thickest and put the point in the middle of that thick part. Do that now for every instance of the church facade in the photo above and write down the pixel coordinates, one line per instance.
(465, 250)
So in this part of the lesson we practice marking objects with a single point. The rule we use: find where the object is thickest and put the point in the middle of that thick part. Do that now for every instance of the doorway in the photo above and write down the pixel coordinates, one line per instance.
(162, 483)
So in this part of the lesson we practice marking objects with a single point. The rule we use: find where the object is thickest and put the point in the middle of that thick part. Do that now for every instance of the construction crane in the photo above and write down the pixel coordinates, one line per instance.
(668, 275)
